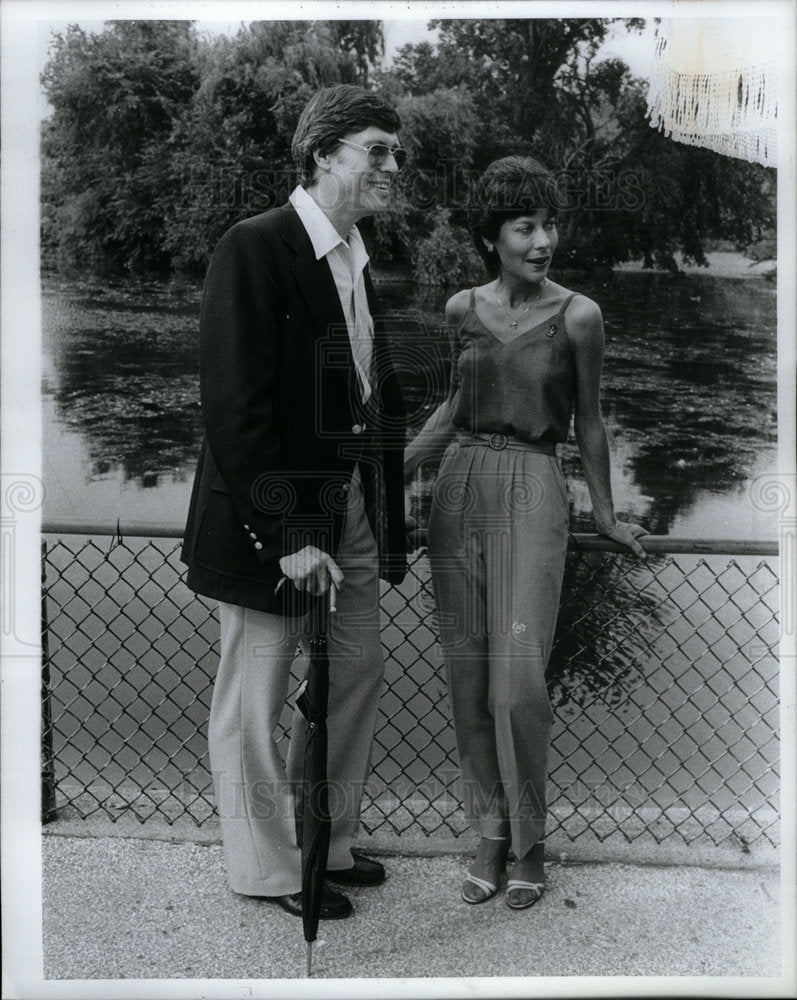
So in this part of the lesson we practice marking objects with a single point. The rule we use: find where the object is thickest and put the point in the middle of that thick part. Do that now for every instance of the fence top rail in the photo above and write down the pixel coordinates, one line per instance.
(582, 541)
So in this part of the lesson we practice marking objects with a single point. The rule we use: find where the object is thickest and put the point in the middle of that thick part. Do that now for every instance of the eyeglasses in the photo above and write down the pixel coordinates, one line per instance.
(379, 152)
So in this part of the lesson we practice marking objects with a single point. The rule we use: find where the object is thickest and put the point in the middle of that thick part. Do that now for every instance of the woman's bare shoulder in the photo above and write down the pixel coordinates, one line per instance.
(583, 315)
(457, 306)
(579, 306)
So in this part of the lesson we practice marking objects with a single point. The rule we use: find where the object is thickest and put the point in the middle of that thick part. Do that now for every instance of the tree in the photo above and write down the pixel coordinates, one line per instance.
(440, 132)
(159, 140)
(540, 87)
(637, 194)
(231, 148)
(510, 67)
(115, 98)
(364, 42)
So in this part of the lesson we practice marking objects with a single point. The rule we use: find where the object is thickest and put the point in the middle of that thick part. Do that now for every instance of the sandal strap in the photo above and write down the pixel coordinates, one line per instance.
(480, 883)
(516, 883)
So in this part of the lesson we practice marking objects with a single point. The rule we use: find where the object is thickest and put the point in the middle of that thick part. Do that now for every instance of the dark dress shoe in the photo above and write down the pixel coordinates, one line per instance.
(334, 905)
(364, 871)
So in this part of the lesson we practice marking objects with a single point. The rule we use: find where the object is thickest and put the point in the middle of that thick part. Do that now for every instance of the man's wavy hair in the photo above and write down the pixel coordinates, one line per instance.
(330, 115)
(508, 188)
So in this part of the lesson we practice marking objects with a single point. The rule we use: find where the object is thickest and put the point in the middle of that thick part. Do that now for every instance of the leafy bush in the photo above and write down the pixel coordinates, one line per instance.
(446, 256)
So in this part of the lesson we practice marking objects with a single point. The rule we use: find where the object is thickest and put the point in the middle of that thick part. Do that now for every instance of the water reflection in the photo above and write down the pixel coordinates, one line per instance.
(691, 380)
(689, 383)
(689, 390)
(608, 620)
(123, 372)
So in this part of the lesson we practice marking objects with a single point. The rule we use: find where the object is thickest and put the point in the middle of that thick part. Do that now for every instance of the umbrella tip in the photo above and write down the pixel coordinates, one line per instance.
(309, 959)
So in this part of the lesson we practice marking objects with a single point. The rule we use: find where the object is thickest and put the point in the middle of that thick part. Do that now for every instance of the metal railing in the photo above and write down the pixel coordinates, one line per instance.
(663, 680)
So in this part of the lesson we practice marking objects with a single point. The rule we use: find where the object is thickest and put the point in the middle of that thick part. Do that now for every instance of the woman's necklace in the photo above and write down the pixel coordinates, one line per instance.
(513, 322)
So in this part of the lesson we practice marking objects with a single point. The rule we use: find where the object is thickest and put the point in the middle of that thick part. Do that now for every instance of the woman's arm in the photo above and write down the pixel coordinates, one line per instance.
(585, 328)
(438, 432)
(431, 441)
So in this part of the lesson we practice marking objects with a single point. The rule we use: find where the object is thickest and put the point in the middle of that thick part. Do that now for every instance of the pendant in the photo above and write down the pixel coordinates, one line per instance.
(514, 325)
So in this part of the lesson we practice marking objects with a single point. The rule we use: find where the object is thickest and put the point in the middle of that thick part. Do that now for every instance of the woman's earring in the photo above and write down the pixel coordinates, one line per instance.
(490, 249)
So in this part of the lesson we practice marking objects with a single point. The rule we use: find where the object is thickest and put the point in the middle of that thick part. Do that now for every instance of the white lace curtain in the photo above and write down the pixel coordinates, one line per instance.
(714, 84)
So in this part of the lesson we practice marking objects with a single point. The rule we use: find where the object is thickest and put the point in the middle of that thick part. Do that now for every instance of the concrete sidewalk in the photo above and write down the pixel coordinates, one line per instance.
(124, 907)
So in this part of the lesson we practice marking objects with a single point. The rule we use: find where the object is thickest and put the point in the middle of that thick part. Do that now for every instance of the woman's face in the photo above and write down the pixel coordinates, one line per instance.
(525, 246)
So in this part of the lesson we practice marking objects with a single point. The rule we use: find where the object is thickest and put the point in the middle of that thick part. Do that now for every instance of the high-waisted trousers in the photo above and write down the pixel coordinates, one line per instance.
(497, 543)
(254, 789)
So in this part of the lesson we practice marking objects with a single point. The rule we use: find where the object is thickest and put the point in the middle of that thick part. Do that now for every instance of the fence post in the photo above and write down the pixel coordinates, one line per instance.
(47, 756)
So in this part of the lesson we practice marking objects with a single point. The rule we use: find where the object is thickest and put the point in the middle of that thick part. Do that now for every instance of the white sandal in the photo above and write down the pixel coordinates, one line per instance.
(486, 887)
(516, 884)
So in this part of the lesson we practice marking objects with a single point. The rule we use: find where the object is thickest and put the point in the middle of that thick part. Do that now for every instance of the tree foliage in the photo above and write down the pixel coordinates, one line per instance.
(159, 139)
(542, 88)
(116, 98)
(232, 145)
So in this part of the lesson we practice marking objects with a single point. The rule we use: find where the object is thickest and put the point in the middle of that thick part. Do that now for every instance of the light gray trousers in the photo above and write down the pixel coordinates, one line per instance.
(497, 544)
(253, 787)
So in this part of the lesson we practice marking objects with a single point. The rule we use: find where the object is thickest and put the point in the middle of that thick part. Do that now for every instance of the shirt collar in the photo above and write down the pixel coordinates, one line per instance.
(322, 233)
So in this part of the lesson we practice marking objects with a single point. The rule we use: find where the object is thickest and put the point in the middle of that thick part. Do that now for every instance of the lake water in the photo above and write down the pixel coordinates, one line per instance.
(689, 397)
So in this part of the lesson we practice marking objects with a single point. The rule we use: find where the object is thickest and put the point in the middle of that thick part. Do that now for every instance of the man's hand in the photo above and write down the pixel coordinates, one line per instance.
(312, 570)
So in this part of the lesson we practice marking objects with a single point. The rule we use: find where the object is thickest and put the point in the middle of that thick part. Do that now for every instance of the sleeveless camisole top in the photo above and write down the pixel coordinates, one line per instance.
(524, 388)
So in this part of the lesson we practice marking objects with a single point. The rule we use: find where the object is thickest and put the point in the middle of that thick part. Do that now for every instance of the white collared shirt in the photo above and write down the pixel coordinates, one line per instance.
(347, 259)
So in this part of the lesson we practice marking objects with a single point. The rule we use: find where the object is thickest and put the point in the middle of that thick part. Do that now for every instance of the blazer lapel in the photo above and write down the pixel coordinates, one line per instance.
(314, 277)
(318, 289)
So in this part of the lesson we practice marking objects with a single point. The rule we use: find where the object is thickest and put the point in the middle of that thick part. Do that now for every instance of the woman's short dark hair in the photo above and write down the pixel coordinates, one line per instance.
(333, 113)
(509, 188)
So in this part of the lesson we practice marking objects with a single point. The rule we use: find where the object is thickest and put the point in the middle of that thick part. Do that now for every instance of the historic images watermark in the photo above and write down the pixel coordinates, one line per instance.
(268, 799)
(776, 493)
(22, 494)
(446, 185)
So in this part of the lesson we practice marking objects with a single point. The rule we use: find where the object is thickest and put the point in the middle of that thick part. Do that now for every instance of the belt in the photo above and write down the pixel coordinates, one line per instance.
(498, 442)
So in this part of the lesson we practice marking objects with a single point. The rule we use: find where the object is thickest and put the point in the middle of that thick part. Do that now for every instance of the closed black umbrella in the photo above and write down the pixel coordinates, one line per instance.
(312, 800)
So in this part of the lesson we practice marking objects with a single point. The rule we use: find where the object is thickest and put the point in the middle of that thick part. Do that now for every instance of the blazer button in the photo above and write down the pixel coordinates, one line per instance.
(357, 429)
(246, 527)
(252, 535)
(258, 546)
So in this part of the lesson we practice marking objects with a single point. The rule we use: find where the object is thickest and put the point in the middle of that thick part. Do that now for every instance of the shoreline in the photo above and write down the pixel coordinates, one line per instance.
(721, 264)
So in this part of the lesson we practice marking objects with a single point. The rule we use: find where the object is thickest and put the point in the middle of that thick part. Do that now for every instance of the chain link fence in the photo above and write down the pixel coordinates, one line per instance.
(663, 680)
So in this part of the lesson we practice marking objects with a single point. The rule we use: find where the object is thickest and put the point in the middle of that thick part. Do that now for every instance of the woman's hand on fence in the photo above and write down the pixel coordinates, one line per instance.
(415, 536)
(626, 533)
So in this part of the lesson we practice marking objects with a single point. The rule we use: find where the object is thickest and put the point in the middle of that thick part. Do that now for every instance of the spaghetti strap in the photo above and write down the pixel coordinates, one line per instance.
(471, 311)
(567, 302)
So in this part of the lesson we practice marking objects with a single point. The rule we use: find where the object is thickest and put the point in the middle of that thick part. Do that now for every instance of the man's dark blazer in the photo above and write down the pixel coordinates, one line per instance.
(283, 418)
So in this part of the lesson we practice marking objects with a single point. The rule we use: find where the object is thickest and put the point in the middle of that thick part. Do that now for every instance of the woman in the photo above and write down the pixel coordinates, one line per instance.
(527, 356)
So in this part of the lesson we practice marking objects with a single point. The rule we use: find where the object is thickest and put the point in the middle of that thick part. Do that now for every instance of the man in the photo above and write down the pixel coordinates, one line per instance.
(299, 477)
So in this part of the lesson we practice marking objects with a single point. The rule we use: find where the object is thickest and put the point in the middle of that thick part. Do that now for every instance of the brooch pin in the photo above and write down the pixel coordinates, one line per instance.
(552, 329)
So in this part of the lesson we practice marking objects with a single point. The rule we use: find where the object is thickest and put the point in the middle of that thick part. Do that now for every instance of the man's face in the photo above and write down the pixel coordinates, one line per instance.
(362, 185)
